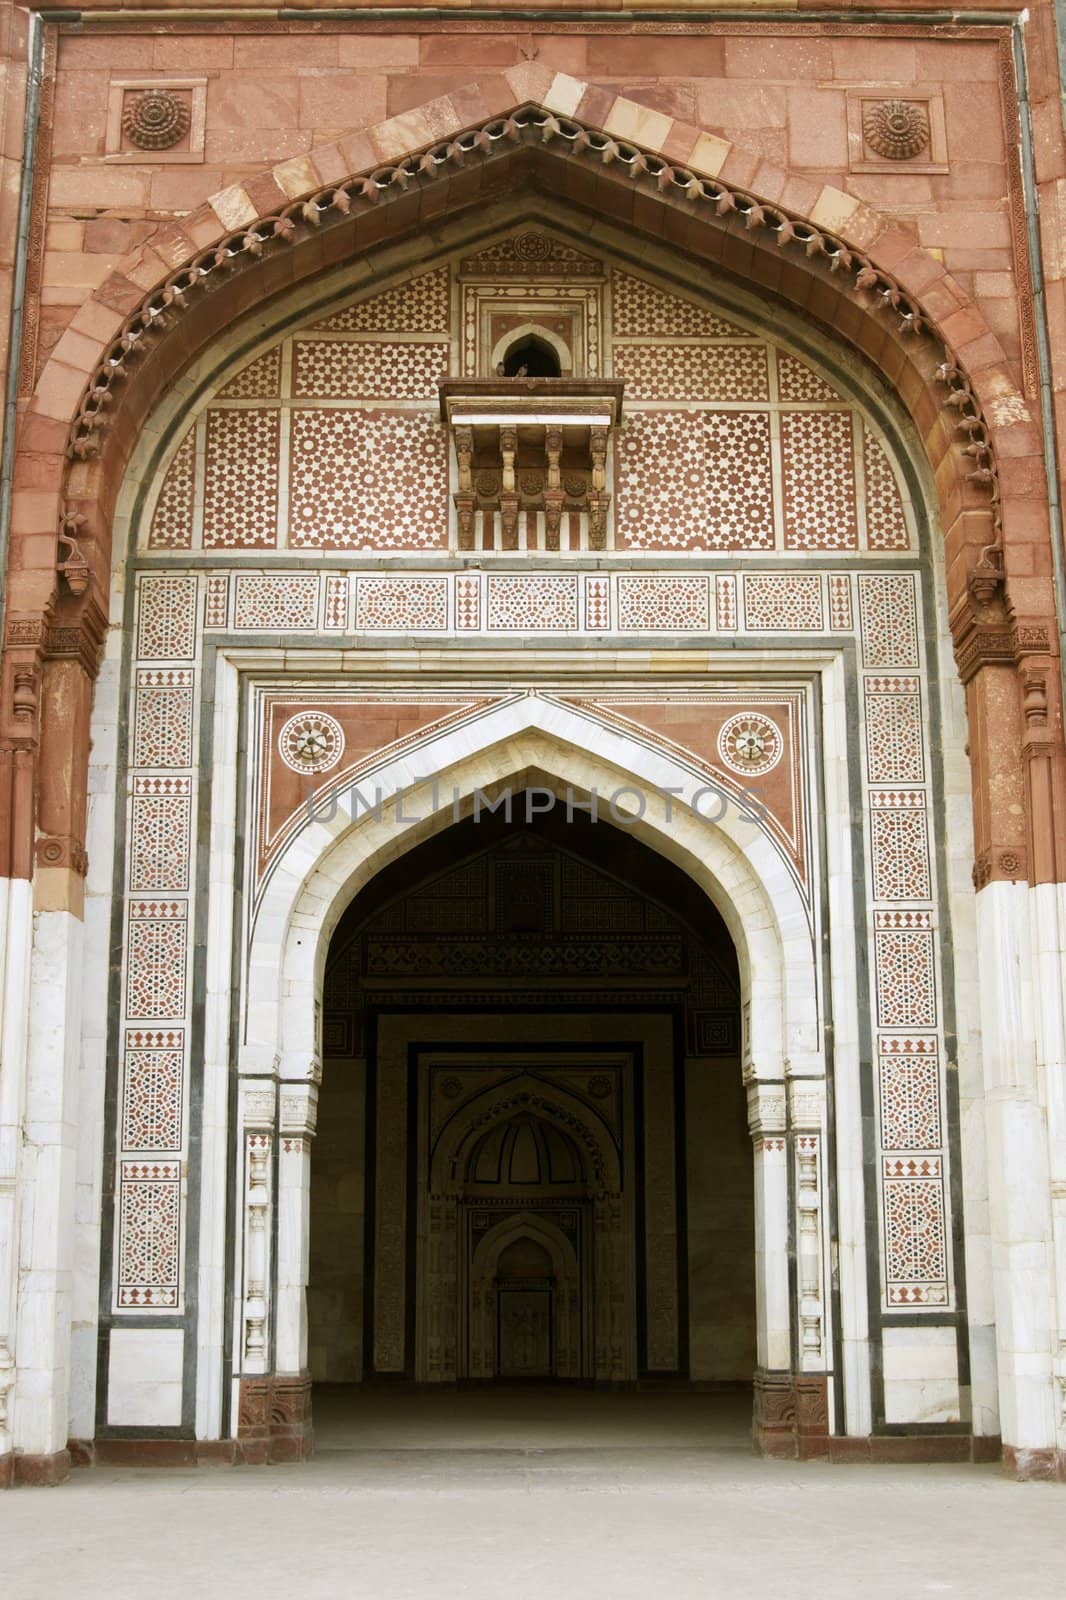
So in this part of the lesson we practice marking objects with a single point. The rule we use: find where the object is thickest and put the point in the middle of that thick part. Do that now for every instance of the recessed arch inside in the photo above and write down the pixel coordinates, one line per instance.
(532, 1037)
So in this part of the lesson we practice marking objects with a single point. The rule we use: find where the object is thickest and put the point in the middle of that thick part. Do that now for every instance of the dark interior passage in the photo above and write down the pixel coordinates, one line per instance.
(532, 1162)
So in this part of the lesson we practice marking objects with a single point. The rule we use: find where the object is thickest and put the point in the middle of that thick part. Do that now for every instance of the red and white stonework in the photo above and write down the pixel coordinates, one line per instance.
(810, 568)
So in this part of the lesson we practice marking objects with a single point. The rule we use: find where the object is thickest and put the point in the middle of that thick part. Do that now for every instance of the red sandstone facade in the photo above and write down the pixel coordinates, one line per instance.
(752, 147)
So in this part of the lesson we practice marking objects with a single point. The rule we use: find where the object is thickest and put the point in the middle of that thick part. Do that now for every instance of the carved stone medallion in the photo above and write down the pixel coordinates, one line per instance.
(311, 742)
(750, 744)
(897, 129)
(156, 119)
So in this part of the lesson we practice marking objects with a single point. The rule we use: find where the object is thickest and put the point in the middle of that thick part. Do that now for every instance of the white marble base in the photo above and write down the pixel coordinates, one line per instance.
(921, 1368)
(144, 1378)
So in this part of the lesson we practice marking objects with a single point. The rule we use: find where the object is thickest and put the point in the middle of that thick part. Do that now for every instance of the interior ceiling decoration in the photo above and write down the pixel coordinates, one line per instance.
(532, 125)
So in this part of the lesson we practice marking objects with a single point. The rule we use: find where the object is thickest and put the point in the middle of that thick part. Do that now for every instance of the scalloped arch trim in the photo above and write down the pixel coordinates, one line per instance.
(899, 286)
(838, 232)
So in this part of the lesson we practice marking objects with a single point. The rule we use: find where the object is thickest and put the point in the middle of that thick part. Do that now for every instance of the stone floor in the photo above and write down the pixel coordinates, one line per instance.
(522, 1495)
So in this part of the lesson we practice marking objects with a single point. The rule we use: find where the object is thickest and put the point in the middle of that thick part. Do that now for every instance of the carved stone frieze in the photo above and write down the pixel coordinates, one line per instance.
(981, 643)
(531, 254)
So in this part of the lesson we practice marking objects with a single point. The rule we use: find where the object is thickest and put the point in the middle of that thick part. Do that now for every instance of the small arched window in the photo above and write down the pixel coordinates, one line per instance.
(531, 357)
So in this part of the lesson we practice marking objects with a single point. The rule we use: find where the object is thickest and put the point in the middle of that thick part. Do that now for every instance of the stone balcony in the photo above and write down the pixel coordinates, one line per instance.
(531, 457)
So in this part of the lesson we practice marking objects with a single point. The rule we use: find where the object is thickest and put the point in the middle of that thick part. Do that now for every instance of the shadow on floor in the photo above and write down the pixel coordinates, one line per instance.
(350, 1419)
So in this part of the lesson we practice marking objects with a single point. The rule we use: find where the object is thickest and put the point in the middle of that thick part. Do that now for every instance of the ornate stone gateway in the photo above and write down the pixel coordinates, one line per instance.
(381, 578)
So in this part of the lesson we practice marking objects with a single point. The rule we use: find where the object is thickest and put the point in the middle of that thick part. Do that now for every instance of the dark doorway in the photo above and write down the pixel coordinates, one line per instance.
(532, 1159)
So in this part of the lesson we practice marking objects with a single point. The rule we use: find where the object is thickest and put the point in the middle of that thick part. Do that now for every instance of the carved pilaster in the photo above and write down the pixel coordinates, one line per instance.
(1015, 735)
(773, 1319)
(1042, 755)
(611, 1303)
(441, 1355)
(297, 1115)
(258, 1103)
(807, 1119)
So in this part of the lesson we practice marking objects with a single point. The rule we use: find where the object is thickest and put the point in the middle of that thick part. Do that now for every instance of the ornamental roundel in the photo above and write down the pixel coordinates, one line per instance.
(311, 742)
(897, 129)
(156, 119)
(532, 247)
(750, 744)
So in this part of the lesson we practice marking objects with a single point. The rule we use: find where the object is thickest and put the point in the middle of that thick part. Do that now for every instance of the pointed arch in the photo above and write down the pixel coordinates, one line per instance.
(529, 738)
(524, 1092)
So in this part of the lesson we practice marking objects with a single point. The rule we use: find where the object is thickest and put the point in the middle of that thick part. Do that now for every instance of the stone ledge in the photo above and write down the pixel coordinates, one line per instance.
(288, 1448)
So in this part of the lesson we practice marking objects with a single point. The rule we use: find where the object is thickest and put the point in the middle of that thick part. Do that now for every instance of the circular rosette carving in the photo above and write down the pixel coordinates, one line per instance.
(311, 742)
(532, 247)
(155, 119)
(750, 744)
(896, 129)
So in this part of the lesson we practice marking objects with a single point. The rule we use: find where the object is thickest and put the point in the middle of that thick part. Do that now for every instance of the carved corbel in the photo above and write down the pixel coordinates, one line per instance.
(599, 499)
(986, 578)
(509, 488)
(554, 495)
(73, 569)
(465, 498)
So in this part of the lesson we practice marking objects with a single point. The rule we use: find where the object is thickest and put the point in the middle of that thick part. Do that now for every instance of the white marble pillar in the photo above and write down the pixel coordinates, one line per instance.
(766, 1122)
(47, 1184)
(47, 1180)
(1048, 918)
(16, 918)
(1019, 1177)
(298, 1109)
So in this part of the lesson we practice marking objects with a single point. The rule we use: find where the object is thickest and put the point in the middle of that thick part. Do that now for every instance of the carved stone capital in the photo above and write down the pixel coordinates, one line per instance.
(258, 1103)
(806, 1104)
(981, 643)
(298, 1109)
(766, 1108)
